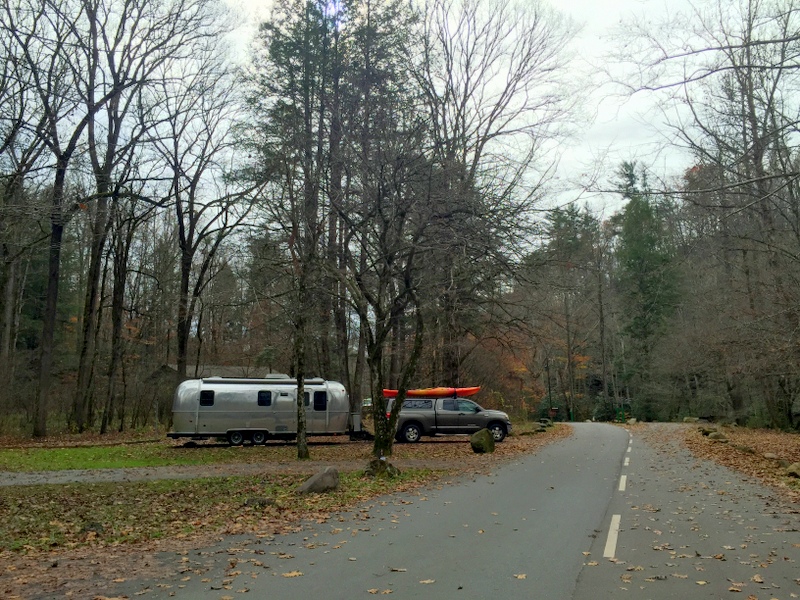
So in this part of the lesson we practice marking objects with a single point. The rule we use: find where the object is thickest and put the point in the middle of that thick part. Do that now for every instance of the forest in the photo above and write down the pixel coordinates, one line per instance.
(368, 193)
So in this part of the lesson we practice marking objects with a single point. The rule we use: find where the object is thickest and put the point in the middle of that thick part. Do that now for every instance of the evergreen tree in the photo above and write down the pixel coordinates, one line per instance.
(646, 279)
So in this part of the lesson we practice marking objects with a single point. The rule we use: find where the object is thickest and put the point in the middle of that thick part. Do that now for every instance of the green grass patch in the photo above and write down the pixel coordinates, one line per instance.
(112, 457)
(42, 517)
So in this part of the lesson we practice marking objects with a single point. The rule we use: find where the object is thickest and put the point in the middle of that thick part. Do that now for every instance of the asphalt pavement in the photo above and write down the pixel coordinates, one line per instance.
(520, 532)
(691, 529)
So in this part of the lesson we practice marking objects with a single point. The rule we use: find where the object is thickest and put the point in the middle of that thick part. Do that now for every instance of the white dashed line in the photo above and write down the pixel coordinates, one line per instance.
(623, 481)
(613, 534)
(627, 460)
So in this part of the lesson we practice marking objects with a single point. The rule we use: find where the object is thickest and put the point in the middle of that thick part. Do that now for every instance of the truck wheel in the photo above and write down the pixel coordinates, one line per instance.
(235, 438)
(258, 437)
(411, 433)
(498, 431)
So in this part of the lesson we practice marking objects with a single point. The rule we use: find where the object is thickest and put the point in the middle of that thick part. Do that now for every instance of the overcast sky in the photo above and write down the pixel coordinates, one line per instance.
(622, 127)
(614, 127)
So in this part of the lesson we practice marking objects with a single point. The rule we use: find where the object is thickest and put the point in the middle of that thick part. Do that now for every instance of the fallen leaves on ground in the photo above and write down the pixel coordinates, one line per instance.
(745, 452)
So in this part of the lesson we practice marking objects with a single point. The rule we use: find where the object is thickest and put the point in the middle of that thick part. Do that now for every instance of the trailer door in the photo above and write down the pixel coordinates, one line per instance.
(211, 417)
(316, 402)
(285, 410)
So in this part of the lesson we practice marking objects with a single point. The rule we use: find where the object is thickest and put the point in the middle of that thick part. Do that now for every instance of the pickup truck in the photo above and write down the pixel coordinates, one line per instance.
(432, 416)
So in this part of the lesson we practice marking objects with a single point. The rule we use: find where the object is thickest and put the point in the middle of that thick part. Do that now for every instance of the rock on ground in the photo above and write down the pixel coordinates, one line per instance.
(324, 481)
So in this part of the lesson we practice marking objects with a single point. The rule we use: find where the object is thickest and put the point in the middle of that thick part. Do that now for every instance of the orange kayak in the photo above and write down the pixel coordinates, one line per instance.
(437, 392)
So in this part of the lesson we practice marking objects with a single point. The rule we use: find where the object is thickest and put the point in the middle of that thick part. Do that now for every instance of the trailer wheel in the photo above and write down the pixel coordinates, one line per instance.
(258, 437)
(411, 433)
(498, 431)
(235, 438)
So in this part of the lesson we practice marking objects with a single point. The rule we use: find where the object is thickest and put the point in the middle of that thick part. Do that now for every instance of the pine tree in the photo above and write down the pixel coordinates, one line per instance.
(646, 279)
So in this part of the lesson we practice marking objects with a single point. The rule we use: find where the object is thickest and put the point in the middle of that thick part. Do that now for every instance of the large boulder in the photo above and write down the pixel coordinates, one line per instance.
(324, 481)
(482, 441)
(718, 436)
(793, 470)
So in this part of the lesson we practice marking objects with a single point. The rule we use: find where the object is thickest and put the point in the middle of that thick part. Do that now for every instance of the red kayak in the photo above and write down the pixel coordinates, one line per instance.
(437, 392)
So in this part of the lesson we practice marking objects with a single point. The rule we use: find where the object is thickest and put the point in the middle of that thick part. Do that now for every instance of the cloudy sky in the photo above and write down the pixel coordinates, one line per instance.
(622, 127)
(614, 127)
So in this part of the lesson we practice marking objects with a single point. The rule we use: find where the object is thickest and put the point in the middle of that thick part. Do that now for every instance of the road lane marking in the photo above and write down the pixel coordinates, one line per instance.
(623, 481)
(629, 449)
(613, 535)
(627, 460)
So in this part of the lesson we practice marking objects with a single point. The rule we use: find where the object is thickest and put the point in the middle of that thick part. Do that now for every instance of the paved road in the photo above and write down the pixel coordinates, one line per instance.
(602, 514)
(692, 529)
(518, 533)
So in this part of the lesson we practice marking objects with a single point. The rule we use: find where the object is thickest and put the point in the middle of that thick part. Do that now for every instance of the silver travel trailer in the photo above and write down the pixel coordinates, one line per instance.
(241, 409)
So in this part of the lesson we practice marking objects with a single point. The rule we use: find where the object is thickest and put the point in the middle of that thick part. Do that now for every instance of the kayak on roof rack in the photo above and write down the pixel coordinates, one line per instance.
(436, 392)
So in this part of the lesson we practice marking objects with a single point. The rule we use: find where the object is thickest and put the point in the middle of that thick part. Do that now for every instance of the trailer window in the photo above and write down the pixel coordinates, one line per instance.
(320, 400)
(306, 398)
(264, 398)
(206, 397)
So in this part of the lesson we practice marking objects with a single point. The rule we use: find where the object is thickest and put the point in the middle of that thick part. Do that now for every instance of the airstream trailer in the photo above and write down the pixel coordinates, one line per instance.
(255, 410)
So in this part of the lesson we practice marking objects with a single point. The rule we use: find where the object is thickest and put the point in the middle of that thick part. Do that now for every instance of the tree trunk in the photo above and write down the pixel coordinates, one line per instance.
(385, 427)
(100, 226)
(300, 358)
(40, 407)
(451, 361)
(184, 317)
(602, 334)
(117, 308)
(569, 392)
(9, 312)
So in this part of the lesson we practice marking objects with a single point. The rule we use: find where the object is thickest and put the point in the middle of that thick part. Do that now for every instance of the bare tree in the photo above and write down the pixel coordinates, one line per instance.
(494, 91)
(45, 35)
(195, 145)
(128, 48)
(21, 150)
(83, 57)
